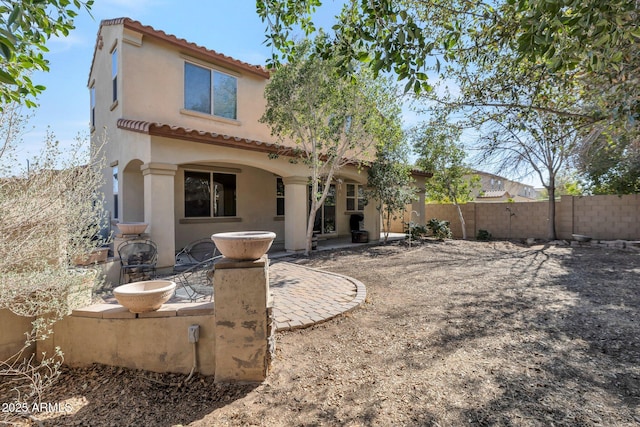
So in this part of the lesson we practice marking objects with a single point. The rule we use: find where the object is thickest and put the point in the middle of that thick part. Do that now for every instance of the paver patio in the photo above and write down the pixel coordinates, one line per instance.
(304, 296)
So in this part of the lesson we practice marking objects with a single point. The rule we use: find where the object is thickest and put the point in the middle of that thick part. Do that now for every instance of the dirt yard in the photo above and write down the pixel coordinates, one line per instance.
(453, 333)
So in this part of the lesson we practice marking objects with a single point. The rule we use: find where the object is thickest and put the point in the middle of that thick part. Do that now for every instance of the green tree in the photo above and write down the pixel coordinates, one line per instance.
(587, 48)
(390, 183)
(611, 165)
(437, 145)
(333, 120)
(25, 28)
(402, 35)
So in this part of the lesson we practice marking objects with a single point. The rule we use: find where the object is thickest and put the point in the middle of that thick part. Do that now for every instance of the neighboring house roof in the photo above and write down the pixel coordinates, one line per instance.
(182, 44)
(493, 194)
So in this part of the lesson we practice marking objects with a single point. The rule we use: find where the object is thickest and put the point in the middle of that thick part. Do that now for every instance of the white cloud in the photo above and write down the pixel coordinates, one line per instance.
(66, 43)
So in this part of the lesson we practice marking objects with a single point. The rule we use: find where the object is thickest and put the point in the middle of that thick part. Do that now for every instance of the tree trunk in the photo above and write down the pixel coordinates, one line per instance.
(386, 231)
(551, 228)
(462, 223)
(310, 223)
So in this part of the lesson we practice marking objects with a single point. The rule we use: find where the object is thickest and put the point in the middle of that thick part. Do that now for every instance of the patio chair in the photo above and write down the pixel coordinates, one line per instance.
(194, 253)
(138, 260)
(197, 280)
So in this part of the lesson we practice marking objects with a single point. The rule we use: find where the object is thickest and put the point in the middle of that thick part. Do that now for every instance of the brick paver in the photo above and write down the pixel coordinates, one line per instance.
(304, 296)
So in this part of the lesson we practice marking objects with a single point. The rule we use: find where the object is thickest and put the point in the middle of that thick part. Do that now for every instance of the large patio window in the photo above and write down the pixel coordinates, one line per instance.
(325, 221)
(210, 91)
(209, 194)
(356, 199)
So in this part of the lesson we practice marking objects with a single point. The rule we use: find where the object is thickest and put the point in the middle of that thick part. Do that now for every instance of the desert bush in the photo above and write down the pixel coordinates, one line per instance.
(439, 228)
(415, 231)
(50, 214)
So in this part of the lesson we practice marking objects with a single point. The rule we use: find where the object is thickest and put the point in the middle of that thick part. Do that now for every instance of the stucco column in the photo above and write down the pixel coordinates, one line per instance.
(372, 221)
(244, 329)
(419, 207)
(295, 212)
(159, 209)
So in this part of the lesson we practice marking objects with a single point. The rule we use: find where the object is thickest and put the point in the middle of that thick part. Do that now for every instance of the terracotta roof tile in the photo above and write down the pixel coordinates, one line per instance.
(180, 132)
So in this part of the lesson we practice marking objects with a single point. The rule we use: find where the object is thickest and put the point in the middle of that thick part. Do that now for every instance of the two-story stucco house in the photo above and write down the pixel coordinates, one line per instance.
(186, 152)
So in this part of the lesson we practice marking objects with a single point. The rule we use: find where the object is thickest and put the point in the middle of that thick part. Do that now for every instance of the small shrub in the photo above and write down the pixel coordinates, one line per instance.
(483, 235)
(439, 228)
(416, 231)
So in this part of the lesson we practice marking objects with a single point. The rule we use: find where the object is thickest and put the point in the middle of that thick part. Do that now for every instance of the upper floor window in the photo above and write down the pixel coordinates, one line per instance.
(114, 73)
(279, 196)
(356, 199)
(92, 94)
(210, 91)
(208, 194)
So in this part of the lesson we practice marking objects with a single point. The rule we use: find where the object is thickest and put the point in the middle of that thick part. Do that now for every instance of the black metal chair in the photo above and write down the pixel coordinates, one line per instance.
(138, 259)
(197, 280)
(195, 253)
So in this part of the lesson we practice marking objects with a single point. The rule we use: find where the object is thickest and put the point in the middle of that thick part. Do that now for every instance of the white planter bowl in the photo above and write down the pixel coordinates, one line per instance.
(140, 297)
(244, 245)
(132, 227)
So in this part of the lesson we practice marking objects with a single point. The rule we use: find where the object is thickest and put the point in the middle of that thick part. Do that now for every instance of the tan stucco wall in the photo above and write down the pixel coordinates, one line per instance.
(154, 344)
(159, 96)
(12, 334)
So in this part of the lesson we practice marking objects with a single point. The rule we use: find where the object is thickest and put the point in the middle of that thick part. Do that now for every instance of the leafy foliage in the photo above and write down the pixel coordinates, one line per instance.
(536, 51)
(389, 182)
(331, 120)
(439, 152)
(50, 215)
(439, 228)
(25, 28)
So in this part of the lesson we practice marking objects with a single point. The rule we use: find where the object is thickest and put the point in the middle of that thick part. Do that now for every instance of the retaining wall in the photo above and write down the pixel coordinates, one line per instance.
(12, 334)
(156, 341)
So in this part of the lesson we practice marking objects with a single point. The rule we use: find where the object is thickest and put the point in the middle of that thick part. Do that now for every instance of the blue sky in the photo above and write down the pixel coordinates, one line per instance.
(229, 27)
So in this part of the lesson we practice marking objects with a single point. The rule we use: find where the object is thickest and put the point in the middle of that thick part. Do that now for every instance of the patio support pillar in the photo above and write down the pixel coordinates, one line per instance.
(244, 327)
(159, 208)
(295, 209)
(419, 207)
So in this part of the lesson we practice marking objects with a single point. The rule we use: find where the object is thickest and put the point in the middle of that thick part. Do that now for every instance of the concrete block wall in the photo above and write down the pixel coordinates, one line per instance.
(601, 217)
(608, 217)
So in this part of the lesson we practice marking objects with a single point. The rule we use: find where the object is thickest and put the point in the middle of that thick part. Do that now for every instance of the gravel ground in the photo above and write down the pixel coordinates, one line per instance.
(452, 333)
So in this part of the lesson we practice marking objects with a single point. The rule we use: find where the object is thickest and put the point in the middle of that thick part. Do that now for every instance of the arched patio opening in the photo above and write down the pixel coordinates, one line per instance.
(132, 191)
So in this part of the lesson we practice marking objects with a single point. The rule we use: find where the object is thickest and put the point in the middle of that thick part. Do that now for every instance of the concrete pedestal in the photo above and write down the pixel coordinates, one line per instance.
(244, 328)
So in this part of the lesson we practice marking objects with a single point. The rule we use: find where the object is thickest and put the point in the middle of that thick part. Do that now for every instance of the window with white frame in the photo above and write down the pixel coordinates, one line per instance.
(356, 199)
(210, 91)
(115, 191)
(279, 197)
(114, 73)
(92, 94)
(209, 194)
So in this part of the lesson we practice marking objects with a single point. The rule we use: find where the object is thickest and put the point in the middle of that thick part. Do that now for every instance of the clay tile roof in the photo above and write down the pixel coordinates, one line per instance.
(493, 194)
(184, 45)
(179, 132)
